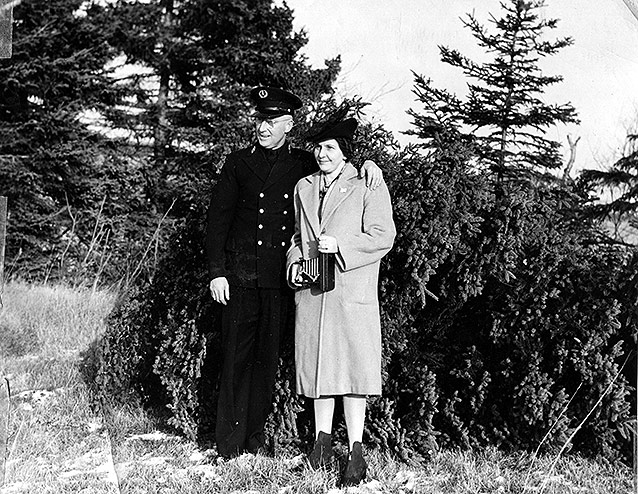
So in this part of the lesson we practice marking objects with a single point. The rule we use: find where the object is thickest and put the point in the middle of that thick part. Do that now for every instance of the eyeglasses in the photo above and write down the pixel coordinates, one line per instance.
(271, 122)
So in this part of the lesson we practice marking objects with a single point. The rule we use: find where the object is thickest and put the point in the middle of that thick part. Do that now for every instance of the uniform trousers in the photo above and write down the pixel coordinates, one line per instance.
(252, 324)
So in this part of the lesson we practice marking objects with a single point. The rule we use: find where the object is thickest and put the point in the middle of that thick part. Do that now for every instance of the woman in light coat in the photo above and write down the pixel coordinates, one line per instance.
(338, 332)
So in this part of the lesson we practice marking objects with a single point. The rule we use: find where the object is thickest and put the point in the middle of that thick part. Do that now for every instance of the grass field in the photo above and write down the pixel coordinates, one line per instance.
(54, 441)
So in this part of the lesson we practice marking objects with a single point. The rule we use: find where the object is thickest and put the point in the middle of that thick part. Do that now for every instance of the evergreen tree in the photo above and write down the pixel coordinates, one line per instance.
(50, 164)
(195, 61)
(503, 111)
(95, 202)
(502, 119)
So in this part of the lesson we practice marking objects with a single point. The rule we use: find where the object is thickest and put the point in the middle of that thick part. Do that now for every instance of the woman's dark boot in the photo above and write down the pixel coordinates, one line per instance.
(321, 455)
(356, 468)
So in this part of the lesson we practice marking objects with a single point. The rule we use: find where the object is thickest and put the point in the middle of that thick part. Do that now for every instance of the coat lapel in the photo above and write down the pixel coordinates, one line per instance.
(309, 202)
(341, 189)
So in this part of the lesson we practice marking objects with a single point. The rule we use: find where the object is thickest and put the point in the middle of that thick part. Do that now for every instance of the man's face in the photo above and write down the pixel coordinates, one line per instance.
(271, 132)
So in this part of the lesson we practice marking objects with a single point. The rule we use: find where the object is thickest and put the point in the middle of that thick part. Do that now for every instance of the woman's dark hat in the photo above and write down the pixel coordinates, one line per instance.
(343, 129)
(273, 102)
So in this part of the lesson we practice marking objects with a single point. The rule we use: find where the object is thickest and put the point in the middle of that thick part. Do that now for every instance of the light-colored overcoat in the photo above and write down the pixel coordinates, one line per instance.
(338, 333)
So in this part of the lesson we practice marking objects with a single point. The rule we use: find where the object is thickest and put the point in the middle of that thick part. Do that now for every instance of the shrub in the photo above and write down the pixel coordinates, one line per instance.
(503, 320)
(526, 335)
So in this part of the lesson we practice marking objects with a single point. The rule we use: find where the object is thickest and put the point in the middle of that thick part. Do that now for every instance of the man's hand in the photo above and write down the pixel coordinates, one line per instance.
(372, 173)
(293, 273)
(220, 290)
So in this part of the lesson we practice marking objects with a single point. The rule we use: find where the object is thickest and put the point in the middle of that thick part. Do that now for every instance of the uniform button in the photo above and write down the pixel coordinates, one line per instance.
(285, 212)
(261, 211)
(283, 244)
(283, 227)
(261, 194)
(259, 242)
(260, 226)
(285, 196)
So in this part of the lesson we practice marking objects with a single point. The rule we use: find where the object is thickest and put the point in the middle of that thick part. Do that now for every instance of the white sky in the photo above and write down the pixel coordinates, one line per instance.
(382, 41)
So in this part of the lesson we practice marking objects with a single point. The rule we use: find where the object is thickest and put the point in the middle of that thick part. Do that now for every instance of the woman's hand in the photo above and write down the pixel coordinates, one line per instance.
(327, 244)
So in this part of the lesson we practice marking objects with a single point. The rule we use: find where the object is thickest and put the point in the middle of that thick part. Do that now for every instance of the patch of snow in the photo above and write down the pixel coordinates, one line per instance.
(197, 456)
(156, 460)
(294, 462)
(151, 436)
(206, 471)
(94, 425)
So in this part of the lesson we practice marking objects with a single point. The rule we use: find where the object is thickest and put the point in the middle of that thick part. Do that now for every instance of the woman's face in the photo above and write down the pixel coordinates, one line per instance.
(328, 155)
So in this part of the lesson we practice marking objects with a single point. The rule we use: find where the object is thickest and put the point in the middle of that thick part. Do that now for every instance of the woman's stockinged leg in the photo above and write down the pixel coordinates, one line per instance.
(324, 411)
(354, 409)
(321, 454)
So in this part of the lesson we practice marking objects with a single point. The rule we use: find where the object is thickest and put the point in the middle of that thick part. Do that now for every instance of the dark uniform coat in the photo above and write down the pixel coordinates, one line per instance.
(338, 333)
(251, 216)
(250, 224)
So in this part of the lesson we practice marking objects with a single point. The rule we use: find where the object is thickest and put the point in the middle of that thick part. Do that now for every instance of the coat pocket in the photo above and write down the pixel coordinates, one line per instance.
(359, 286)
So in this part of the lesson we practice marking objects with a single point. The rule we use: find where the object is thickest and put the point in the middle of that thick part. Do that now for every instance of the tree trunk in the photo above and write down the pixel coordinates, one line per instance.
(3, 239)
(572, 156)
(155, 174)
(161, 123)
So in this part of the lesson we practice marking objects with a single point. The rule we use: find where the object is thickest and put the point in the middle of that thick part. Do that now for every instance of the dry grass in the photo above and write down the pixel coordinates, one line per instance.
(56, 443)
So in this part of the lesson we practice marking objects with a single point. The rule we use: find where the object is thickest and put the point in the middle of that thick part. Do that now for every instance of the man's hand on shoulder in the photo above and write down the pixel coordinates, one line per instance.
(372, 174)
(219, 290)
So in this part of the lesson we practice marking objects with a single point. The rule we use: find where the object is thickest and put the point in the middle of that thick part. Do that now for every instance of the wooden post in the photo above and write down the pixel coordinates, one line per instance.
(5, 394)
(3, 238)
(5, 411)
(6, 26)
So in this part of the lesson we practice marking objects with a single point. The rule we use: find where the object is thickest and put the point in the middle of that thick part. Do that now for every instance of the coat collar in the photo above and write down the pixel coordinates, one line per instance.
(280, 168)
(284, 165)
(309, 197)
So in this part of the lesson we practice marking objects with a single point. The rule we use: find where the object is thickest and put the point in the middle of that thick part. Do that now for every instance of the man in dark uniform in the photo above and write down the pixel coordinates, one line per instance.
(250, 223)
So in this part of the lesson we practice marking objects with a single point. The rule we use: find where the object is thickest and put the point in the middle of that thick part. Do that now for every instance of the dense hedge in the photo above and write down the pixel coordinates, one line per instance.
(504, 323)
